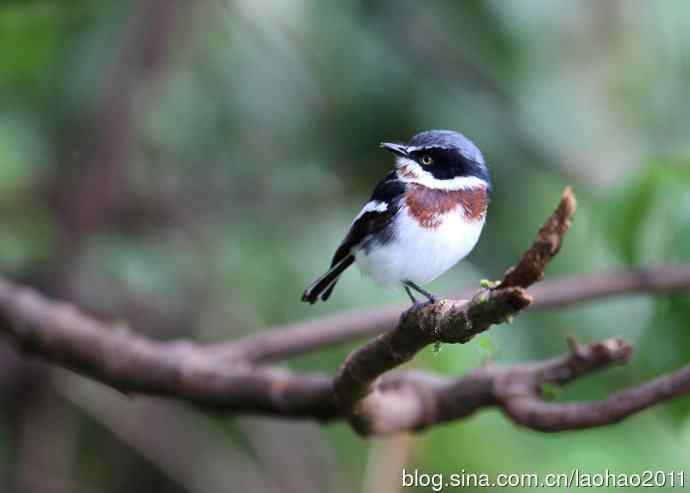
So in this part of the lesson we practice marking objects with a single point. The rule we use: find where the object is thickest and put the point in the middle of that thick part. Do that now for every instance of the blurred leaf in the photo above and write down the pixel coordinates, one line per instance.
(21, 153)
(26, 239)
(29, 34)
(487, 348)
(628, 211)
(549, 391)
(667, 344)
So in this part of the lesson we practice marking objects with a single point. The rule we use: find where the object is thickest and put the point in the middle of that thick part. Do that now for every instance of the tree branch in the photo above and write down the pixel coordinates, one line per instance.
(409, 401)
(284, 341)
(446, 321)
(532, 265)
(417, 400)
(374, 404)
(527, 408)
(114, 355)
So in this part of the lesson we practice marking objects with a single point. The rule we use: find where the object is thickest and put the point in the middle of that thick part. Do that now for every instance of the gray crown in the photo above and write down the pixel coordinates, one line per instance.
(448, 139)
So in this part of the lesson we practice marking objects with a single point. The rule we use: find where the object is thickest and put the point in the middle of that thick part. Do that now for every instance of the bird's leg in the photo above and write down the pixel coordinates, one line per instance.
(431, 297)
(409, 293)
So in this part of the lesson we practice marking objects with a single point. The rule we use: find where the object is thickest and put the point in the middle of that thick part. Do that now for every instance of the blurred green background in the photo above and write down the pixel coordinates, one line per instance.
(186, 168)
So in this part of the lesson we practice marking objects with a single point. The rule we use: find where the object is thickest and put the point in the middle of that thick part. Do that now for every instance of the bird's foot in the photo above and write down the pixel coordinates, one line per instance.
(418, 305)
(431, 298)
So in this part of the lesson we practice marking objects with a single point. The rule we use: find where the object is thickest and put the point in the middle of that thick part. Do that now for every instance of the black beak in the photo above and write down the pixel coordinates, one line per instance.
(399, 149)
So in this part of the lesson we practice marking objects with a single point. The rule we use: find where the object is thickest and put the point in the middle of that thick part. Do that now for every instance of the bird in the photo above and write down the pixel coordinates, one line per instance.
(423, 217)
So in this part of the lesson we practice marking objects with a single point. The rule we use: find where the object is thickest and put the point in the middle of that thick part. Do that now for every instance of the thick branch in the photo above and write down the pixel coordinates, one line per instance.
(435, 400)
(445, 321)
(531, 411)
(114, 355)
(408, 401)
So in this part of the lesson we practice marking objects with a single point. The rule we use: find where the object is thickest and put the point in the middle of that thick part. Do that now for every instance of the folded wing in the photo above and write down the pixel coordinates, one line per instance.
(374, 218)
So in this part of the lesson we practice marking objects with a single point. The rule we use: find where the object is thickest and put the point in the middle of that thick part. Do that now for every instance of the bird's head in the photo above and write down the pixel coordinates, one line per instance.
(440, 159)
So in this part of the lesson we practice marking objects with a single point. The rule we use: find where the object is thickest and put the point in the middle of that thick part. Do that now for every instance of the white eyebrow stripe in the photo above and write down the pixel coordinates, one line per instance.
(372, 206)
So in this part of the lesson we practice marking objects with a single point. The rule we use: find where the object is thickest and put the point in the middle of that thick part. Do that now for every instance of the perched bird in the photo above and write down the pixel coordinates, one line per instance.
(423, 217)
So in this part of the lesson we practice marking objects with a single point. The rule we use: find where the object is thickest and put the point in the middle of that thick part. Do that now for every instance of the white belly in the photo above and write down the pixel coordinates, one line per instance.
(418, 254)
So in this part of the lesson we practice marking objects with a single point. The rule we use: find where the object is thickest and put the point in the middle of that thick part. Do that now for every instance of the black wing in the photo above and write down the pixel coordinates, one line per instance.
(389, 192)
(384, 204)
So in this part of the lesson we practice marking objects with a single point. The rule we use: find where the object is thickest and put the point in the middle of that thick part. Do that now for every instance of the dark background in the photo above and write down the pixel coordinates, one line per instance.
(186, 168)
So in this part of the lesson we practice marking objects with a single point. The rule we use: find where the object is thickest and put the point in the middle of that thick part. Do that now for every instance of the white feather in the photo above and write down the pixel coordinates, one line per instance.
(420, 254)
(374, 205)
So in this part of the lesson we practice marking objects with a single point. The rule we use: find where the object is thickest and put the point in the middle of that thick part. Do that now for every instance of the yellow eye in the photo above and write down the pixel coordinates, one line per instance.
(426, 160)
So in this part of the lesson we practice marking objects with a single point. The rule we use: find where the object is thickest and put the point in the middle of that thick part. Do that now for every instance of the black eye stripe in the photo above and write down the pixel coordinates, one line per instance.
(436, 155)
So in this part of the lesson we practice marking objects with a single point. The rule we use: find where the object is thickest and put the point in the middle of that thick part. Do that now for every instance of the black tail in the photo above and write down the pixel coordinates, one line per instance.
(324, 285)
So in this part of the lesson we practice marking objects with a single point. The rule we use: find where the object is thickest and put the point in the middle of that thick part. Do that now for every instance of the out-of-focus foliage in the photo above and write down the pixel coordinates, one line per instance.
(240, 142)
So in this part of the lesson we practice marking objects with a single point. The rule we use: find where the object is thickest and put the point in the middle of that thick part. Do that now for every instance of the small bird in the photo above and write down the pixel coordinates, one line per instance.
(423, 217)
